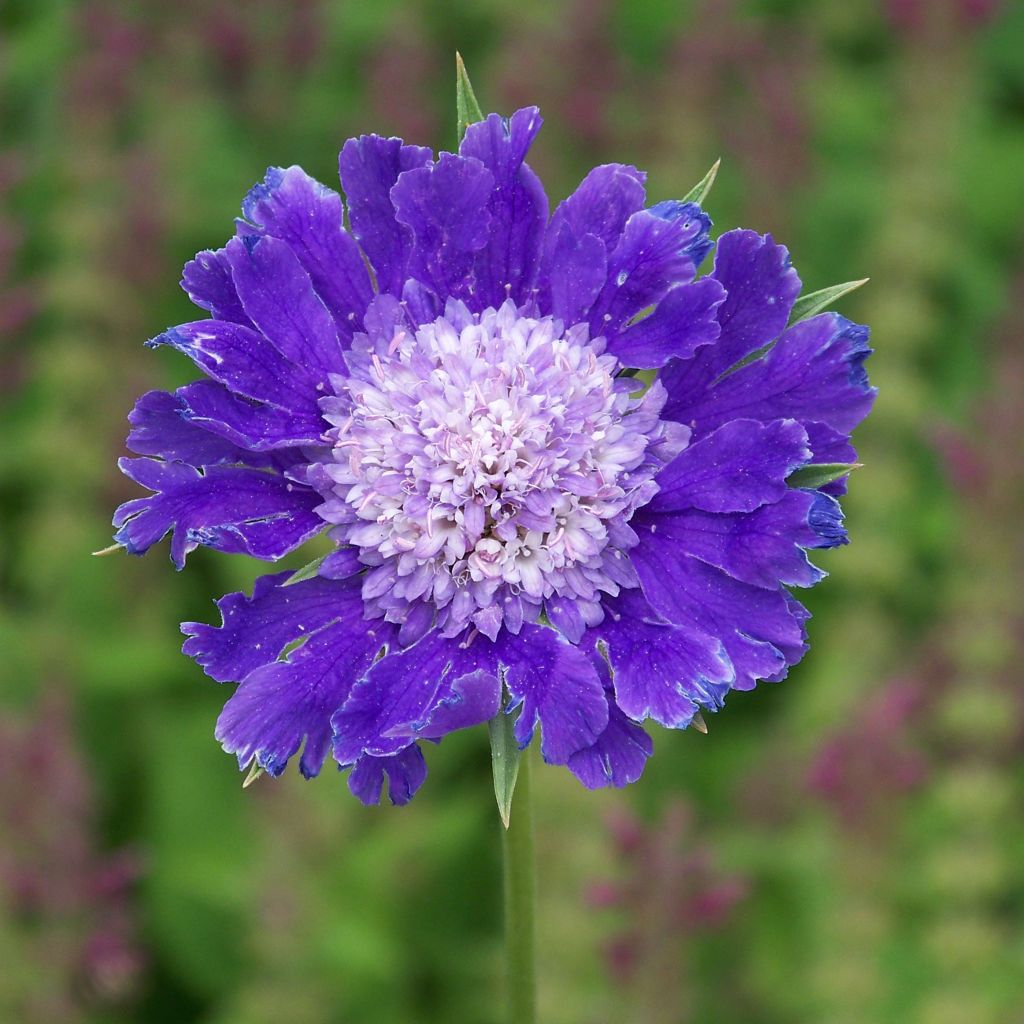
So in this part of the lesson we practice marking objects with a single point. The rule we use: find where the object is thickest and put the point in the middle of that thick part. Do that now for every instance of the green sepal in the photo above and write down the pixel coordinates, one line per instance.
(809, 305)
(820, 473)
(505, 754)
(467, 110)
(700, 191)
(307, 572)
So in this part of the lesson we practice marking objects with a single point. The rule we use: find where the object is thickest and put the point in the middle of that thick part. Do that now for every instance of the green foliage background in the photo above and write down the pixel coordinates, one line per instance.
(875, 139)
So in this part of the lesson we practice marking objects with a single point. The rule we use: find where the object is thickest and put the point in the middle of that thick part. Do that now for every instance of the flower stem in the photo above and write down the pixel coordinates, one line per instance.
(520, 902)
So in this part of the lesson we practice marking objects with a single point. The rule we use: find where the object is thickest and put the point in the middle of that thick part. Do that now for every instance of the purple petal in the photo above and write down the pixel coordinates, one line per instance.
(650, 257)
(160, 428)
(507, 265)
(226, 508)
(661, 671)
(815, 372)
(683, 321)
(575, 271)
(278, 295)
(602, 203)
(402, 694)
(761, 288)
(741, 466)
(279, 704)
(761, 630)
(405, 773)
(246, 362)
(556, 685)
(764, 547)
(308, 216)
(369, 167)
(207, 281)
(254, 630)
(254, 426)
(445, 206)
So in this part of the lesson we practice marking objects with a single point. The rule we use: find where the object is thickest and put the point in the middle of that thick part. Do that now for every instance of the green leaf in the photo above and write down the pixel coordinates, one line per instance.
(505, 754)
(820, 473)
(700, 191)
(466, 107)
(307, 572)
(808, 305)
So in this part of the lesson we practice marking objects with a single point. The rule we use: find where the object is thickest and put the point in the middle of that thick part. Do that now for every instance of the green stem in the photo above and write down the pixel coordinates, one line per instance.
(520, 902)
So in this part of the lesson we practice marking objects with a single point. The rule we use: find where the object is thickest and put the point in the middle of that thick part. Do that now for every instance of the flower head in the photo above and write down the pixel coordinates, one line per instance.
(448, 387)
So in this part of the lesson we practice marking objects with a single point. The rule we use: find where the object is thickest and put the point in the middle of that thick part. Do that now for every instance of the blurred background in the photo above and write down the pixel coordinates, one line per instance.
(846, 846)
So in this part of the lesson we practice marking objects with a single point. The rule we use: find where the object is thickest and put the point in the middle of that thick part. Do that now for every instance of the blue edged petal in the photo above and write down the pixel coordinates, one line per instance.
(445, 206)
(660, 670)
(651, 256)
(815, 372)
(684, 320)
(280, 704)
(255, 630)
(507, 265)
(761, 288)
(369, 167)
(761, 630)
(405, 772)
(308, 216)
(225, 508)
(739, 467)
(602, 203)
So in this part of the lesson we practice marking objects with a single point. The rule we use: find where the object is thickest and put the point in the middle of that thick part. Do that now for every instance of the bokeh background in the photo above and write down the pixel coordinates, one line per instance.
(845, 846)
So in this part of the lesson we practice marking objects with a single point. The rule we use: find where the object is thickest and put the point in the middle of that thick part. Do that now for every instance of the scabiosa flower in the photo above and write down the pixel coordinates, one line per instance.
(448, 388)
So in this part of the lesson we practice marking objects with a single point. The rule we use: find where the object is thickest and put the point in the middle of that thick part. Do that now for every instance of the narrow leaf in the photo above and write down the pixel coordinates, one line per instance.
(466, 107)
(700, 191)
(108, 551)
(505, 754)
(307, 572)
(699, 724)
(809, 305)
(820, 473)
(255, 771)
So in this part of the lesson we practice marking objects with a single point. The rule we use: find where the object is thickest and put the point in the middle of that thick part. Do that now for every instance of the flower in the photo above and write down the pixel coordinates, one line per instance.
(448, 388)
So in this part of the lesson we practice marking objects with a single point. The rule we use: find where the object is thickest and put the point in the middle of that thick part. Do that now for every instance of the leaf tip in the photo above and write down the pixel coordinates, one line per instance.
(699, 724)
(103, 552)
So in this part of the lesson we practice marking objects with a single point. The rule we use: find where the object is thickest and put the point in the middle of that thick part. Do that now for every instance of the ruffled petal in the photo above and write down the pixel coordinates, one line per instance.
(602, 203)
(652, 255)
(761, 630)
(576, 270)
(619, 755)
(308, 216)
(445, 205)
(254, 426)
(661, 671)
(815, 372)
(207, 282)
(683, 321)
(246, 362)
(507, 265)
(741, 466)
(426, 690)
(255, 630)
(159, 428)
(763, 547)
(556, 685)
(225, 508)
(405, 772)
(280, 704)
(369, 167)
(761, 288)
(278, 295)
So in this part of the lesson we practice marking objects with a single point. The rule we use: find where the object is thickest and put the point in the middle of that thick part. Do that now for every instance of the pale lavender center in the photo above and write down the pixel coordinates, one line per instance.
(486, 465)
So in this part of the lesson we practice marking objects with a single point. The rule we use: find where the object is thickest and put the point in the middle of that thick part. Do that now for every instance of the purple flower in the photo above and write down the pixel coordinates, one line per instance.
(449, 389)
